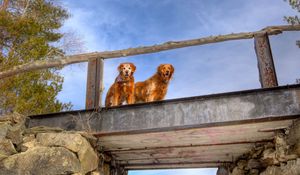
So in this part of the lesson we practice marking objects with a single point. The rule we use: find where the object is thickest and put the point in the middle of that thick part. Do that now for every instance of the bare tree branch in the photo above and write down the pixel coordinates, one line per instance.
(63, 61)
(25, 8)
(4, 5)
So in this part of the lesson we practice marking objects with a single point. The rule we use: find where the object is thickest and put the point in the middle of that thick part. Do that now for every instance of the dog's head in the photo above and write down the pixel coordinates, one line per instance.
(126, 70)
(165, 71)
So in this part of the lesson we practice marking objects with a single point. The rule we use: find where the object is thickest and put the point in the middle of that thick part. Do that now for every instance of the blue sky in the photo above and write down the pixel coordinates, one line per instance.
(229, 66)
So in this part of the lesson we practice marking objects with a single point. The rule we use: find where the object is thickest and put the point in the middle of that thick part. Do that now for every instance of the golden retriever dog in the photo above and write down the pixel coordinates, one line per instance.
(156, 87)
(123, 88)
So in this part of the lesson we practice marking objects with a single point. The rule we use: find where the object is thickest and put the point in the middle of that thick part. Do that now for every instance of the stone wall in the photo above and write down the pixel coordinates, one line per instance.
(46, 151)
(280, 157)
(52, 151)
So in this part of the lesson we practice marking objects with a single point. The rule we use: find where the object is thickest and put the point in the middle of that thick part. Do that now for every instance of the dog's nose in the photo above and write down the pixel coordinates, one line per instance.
(167, 72)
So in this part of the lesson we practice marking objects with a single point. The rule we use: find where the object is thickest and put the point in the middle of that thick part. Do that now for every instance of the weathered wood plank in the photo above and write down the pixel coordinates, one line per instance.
(169, 161)
(267, 73)
(63, 61)
(174, 165)
(194, 112)
(94, 86)
(200, 153)
(192, 137)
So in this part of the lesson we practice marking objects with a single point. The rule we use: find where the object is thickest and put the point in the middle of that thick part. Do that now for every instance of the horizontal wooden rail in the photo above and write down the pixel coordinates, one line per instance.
(63, 61)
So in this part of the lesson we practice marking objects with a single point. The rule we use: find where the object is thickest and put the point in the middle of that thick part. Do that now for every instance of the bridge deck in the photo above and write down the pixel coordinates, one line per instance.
(204, 131)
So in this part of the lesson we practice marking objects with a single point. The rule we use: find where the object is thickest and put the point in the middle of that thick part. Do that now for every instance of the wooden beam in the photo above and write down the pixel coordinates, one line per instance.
(223, 170)
(170, 115)
(63, 61)
(267, 73)
(94, 86)
(154, 166)
(116, 169)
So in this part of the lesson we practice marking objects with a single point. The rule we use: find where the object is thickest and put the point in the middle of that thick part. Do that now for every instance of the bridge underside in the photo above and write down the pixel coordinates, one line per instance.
(204, 131)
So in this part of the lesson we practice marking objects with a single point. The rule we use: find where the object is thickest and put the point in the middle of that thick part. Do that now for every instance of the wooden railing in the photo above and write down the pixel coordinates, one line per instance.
(267, 73)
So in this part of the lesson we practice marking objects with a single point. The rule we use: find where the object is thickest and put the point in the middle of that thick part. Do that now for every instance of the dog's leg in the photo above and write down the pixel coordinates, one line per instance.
(130, 98)
(115, 101)
(149, 98)
(116, 97)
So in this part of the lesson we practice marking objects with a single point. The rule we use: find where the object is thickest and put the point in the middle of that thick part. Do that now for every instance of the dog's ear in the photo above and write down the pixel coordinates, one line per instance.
(172, 70)
(133, 67)
(159, 68)
(120, 67)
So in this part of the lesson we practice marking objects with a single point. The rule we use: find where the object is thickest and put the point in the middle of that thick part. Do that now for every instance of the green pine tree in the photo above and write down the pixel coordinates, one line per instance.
(28, 32)
(295, 4)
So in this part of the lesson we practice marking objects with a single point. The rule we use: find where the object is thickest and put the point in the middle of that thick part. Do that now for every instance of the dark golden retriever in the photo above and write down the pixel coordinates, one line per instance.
(156, 87)
(123, 88)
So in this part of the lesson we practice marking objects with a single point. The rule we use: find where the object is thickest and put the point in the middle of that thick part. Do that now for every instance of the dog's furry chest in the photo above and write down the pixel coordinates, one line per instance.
(124, 87)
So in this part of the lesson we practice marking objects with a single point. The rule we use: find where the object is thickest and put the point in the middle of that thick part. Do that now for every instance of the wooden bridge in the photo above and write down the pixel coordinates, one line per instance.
(203, 131)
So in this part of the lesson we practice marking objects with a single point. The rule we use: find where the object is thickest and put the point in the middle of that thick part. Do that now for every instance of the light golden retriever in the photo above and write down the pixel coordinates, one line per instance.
(123, 88)
(156, 87)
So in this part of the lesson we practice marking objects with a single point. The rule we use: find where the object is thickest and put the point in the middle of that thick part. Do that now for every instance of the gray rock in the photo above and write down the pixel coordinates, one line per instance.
(74, 142)
(242, 164)
(28, 145)
(29, 141)
(253, 164)
(3, 156)
(272, 170)
(15, 133)
(237, 171)
(6, 147)
(281, 146)
(41, 160)
(254, 172)
(294, 137)
(4, 126)
(291, 168)
(269, 158)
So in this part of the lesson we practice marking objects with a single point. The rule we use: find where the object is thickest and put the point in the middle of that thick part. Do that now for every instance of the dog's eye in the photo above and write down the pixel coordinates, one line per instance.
(129, 68)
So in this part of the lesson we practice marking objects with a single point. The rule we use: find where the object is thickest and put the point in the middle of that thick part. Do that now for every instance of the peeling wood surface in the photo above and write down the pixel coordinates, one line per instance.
(193, 112)
(267, 72)
(94, 87)
(213, 153)
(187, 148)
(192, 137)
(63, 61)
(173, 165)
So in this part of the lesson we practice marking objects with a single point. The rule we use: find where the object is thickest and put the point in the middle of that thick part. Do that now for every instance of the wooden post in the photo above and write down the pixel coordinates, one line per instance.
(222, 171)
(118, 171)
(94, 87)
(267, 73)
